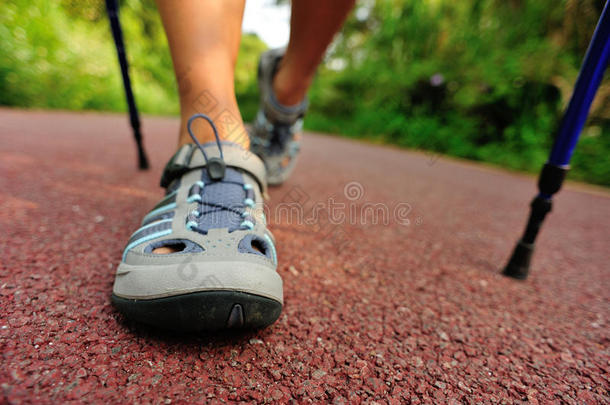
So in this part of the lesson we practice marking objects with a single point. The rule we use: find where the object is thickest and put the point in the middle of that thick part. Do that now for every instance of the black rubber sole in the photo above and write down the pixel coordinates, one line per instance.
(207, 310)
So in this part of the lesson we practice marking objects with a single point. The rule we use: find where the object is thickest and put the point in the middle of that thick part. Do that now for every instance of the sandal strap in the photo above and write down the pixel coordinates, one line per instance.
(189, 157)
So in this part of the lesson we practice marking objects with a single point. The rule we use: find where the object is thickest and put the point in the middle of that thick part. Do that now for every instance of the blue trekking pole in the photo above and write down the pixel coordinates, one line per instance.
(112, 8)
(555, 170)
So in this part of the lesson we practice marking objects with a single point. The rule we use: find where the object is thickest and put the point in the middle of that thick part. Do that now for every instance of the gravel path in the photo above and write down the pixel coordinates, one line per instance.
(396, 298)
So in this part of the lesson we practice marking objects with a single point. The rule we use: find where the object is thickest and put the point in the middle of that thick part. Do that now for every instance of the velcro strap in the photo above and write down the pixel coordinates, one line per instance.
(189, 157)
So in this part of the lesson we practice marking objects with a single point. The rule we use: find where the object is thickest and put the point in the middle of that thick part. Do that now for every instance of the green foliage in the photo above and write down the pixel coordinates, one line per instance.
(479, 79)
(57, 54)
(60, 54)
(246, 86)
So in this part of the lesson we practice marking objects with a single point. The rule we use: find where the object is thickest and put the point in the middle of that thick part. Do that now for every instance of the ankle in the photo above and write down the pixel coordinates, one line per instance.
(290, 89)
(230, 128)
(220, 105)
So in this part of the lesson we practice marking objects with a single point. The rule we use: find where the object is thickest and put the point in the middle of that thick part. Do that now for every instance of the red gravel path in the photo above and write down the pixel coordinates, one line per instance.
(389, 313)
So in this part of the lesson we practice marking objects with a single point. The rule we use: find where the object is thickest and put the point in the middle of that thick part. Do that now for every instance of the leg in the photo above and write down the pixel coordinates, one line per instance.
(284, 76)
(228, 279)
(313, 25)
(204, 38)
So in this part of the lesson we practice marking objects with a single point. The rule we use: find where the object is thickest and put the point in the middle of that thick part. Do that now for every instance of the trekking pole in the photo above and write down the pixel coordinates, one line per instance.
(556, 168)
(112, 8)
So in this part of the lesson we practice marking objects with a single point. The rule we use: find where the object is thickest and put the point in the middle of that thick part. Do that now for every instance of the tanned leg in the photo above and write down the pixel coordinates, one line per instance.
(313, 24)
(204, 38)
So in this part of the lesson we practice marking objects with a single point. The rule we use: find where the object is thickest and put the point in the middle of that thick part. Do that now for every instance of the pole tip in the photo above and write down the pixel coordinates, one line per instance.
(143, 161)
(518, 266)
(142, 158)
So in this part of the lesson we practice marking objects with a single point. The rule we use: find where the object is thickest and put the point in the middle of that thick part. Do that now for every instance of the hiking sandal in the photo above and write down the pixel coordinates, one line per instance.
(275, 133)
(222, 269)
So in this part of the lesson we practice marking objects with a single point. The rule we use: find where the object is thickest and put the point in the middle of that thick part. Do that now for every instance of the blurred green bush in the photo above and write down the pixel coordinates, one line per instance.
(479, 79)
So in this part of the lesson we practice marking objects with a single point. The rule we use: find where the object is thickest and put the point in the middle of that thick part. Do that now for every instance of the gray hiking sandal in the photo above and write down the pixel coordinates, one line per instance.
(222, 271)
(275, 133)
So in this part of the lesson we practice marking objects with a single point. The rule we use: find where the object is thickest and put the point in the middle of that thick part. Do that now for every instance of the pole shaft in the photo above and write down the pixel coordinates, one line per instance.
(112, 8)
(589, 79)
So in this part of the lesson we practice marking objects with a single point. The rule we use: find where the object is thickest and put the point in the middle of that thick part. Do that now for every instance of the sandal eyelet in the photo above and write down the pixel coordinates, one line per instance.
(193, 198)
(247, 224)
